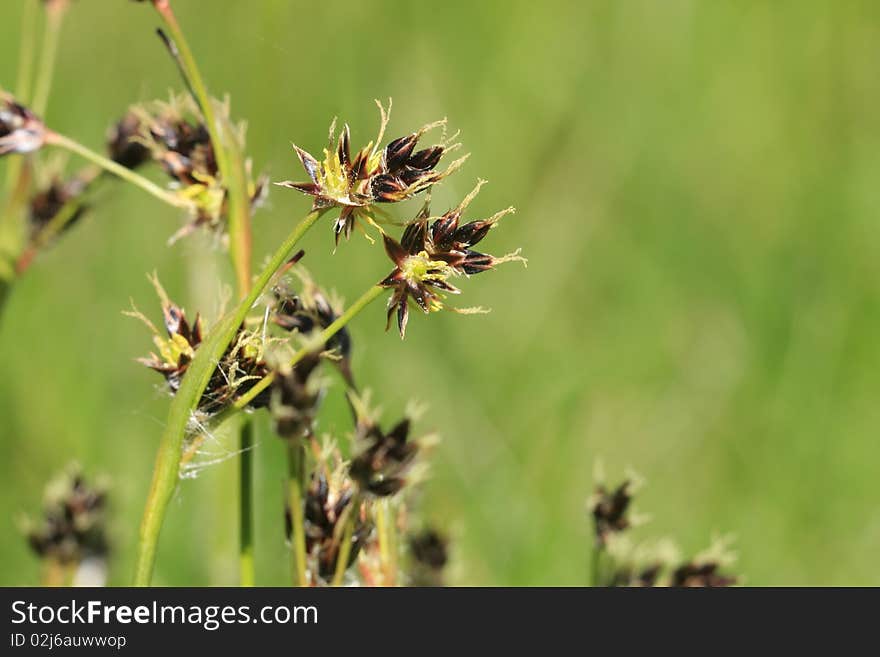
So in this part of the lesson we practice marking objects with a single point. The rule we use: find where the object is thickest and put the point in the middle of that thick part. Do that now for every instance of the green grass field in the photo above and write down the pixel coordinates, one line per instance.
(696, 185)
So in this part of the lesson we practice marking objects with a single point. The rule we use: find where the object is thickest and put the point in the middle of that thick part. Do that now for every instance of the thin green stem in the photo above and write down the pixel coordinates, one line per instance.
(231, 164)
(116, 169)
(25, 75)
(54, 18)
(296, 454)
(368, 297)
(386, 534)
(230, 160)
(26, 50)
(246, 494)
(344, 542)
(5, 286)
(166, 472)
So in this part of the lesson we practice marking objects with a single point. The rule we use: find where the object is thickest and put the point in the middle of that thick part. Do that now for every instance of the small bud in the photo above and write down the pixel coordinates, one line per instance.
(384, 459)
(122, 144)
(72, 527)
(20, 129)
(609, 511)
(430, 554)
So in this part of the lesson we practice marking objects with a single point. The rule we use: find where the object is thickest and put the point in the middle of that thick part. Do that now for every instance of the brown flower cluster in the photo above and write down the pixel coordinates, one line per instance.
(21, 131)
(176, 138)
(619, 562)
(431, 252)
(329, 501)
(242, 365)
(373, 175)
(72, 527)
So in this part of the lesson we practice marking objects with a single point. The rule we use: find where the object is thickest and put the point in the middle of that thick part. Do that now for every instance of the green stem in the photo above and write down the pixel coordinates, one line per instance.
(116, 169)
(25, 73)
(233, 173)
(344, 542)
(365, 300)
(26, 51)
(227, 150)
(198, 374)
(5, 287)
(295, 485)
(43, 86)
(385, 531)
(246, 494)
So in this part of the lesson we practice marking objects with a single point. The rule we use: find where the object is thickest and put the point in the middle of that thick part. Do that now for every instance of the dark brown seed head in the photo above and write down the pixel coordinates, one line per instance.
(122, 144)
(238, 370)
(46, 204)
(609, 510)
(72, 527)
(295, 400)
(20, 129)
(383, 459)
(326, 505)
(430, 554)
(701, 574)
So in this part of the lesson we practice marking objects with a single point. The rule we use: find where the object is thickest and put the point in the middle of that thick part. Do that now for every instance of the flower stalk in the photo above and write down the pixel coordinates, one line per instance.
(344, 542)
(296, 458)
(54, 17)
(56, 139)
(246, 502)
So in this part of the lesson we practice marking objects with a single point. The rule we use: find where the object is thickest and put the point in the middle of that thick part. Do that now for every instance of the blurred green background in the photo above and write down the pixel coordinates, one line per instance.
(696, 185)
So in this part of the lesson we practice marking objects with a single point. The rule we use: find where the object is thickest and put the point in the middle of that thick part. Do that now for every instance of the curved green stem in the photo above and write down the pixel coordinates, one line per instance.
(166, 472)
(55, 139)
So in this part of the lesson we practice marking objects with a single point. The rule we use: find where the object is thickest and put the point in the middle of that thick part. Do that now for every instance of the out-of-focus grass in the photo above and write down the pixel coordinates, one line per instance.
(697, 193)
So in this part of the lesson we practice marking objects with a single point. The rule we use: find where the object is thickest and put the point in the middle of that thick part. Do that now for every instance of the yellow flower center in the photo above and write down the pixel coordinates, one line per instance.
(419, 268)
(334, 180)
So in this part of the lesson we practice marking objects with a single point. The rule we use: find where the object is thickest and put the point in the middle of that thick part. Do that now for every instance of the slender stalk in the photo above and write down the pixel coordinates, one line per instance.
(26, 50)
(296, 456)
(11, 222)
(5, 286)
(385, 531)
(344, 542)
(230, 161)
(165, 474)
(55, 139)
(368, 297)
(246, 494)
(233, 173)
(25, 75)
(54, 17)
